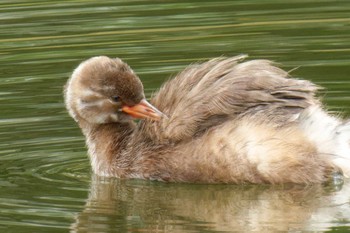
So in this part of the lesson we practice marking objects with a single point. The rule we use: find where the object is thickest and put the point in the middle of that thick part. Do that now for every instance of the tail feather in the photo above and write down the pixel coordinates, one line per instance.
(342, 152)
(330, 134)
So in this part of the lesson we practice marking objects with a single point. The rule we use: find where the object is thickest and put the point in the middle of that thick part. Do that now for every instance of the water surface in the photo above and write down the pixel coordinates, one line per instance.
(45, 179)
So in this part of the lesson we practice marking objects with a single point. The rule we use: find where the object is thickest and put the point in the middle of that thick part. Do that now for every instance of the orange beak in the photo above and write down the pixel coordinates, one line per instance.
(143, 110)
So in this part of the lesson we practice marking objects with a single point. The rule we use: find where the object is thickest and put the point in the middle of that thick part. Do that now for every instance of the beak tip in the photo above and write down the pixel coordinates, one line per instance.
(144, 110)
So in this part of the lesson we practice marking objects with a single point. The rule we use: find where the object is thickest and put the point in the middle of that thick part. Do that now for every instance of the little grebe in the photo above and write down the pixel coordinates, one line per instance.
(222, 121)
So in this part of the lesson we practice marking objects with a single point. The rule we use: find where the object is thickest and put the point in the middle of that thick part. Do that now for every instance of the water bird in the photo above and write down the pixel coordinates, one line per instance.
(225, 120)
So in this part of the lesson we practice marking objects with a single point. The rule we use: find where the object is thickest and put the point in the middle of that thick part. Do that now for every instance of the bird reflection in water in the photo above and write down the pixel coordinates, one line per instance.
(116, 205)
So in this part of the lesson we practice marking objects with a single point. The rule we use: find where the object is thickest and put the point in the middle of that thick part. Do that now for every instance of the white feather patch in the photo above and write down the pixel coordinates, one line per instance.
(330, 135)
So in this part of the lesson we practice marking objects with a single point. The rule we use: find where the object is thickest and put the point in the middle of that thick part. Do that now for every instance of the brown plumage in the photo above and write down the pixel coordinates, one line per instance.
(221, 121)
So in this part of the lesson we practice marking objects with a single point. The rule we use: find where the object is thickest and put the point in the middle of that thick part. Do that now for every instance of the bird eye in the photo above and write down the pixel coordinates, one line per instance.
(116, 98)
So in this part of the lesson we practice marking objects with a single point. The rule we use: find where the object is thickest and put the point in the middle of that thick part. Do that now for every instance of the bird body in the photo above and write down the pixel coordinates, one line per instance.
(221, 121)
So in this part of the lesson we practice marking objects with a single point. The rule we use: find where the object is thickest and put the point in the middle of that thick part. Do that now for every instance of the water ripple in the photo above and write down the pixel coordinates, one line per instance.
(45, 181)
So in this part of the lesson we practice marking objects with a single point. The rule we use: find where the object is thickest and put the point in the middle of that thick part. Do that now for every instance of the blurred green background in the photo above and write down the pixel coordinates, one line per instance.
(45, 178)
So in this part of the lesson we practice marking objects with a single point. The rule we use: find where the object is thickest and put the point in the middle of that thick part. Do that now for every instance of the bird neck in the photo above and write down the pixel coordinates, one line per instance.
(106, 144)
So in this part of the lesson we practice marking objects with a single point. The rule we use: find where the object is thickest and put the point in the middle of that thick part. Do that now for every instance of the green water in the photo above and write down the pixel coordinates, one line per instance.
(45, 179)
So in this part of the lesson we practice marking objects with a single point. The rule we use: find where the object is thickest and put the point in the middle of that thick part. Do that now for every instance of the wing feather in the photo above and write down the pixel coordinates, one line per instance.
(222, 89)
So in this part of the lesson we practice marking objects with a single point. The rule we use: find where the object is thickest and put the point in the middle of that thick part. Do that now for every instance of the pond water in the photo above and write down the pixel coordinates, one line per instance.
(45, 180)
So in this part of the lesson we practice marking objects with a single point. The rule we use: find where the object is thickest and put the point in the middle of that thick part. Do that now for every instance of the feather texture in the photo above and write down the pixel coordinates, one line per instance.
(228, 121)
(203, 95)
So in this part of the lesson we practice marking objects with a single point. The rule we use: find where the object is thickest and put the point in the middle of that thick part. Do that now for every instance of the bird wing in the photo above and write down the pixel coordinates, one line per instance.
(222, 89)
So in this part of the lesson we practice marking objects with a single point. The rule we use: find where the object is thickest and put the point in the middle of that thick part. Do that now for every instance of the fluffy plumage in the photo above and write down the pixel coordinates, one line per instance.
(227, 121)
